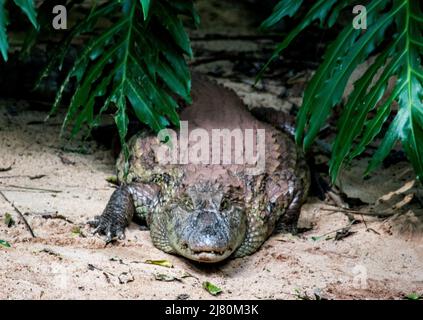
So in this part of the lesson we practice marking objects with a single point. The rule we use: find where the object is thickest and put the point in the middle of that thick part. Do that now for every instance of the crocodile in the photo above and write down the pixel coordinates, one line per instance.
(210, 211)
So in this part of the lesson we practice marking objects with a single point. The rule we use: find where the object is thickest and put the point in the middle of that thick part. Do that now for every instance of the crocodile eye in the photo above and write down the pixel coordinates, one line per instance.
(225, 204)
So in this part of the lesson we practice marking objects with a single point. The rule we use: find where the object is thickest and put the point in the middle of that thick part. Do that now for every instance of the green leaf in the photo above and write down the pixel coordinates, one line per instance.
(161, 263)
(187, 8)
(359, 105)
(165, 277)
(369, 106)
(4, 21)
(335, 51)
(122, 121)
(145, 7)
(8, 220)
(173, 81)
(132, 68)
(211, 288)
(28, 7)
(333, 88)
(339, 6)
(58, 56)
(283, 9)
(414, 296)
(76, 231)
(142, 107)
(408, 123)
(5, 244)
(388, 142)
(174, 26)
(317, 12)
(113, 180)
(169, 277)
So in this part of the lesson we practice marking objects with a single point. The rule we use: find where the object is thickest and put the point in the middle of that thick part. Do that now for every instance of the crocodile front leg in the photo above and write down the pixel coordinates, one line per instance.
(124, 202)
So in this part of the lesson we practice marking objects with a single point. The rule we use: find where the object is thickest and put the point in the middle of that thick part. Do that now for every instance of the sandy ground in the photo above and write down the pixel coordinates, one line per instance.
(65, 261)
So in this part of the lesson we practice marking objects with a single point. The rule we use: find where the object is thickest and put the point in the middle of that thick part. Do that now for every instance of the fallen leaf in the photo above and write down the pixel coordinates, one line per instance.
(170, 277)
(414, 296)
(165, 277)
(162, 263)
(188, 275)
(5, 244)
(8, 220)
(112, 180)
(76, 231)
(211, 288)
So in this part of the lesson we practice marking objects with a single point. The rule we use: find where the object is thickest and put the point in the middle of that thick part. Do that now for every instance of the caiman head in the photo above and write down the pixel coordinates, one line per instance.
(207, 224)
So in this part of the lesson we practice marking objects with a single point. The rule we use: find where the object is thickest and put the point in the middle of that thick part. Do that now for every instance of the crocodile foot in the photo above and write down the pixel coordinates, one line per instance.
(116, 216)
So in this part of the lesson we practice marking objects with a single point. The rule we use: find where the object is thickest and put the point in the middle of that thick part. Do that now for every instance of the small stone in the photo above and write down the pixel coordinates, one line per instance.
(182, 296)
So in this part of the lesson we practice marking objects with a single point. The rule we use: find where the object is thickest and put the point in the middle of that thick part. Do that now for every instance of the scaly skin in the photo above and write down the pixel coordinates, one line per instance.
(208, 213)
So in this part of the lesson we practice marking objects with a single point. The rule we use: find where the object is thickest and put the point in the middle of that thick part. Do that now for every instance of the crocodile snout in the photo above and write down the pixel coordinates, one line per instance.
(207, 235)
(211, 237)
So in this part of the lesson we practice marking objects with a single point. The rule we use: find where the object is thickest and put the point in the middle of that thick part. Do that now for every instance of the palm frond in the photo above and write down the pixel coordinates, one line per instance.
(137, 64)
(366, 111)
(28, 8)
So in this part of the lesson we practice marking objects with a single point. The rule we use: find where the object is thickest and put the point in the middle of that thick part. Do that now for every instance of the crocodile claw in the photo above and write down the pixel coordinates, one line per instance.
(116, 216)
(112, 229)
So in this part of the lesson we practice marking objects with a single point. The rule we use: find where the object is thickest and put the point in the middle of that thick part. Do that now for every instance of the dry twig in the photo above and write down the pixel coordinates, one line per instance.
(20, 214)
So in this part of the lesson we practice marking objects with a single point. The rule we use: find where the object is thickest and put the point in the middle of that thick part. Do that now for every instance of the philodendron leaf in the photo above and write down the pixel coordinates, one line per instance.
(161, 263)
(174, 26)
(211, 288)
(318, 12)
(5, 244)
(283, 9)
(369, 106)
(331, 93)
(4, 21)
(28, 7)
(145, 7)
(134, 67)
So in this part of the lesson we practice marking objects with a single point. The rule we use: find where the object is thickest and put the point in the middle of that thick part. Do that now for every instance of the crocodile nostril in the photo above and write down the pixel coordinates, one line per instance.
(184, 245)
